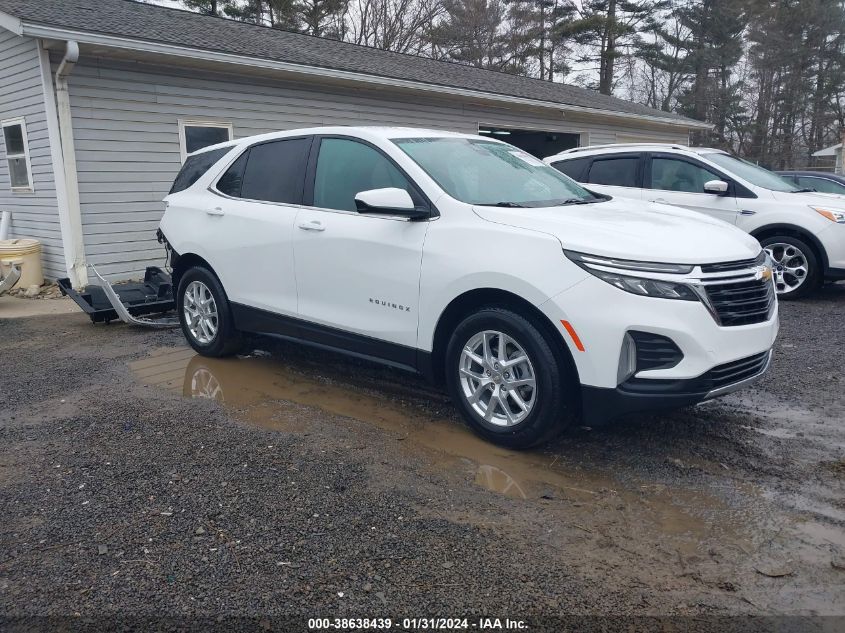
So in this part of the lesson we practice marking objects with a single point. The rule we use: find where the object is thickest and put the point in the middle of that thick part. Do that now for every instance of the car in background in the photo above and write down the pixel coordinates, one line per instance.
(823, 182)
(471, 262)
(803, 231)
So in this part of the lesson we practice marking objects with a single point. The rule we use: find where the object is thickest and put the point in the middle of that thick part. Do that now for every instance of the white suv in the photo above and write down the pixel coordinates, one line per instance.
(469, 261)
(801, 229)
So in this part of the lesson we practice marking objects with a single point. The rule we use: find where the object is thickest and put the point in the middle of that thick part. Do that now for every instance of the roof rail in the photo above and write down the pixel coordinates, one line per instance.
(588, 147)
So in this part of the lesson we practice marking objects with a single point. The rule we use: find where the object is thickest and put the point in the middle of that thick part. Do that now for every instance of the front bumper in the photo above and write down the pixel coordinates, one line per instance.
(636, 395)
(832, 241)
(601, 315)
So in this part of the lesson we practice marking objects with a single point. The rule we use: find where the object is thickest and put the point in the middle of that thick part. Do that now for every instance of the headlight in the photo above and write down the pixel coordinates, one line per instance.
(601, 268)
(831, 213)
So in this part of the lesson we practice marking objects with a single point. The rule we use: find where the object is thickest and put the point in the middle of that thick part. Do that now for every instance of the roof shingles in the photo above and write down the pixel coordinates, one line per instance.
(139, 21)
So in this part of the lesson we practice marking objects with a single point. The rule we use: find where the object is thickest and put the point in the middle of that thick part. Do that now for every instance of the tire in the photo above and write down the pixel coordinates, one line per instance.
(552, 402)
(793, 281)
(211, 331)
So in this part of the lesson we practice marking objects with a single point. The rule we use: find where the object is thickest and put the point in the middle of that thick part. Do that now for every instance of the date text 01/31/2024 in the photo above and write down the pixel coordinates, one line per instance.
(417, 624)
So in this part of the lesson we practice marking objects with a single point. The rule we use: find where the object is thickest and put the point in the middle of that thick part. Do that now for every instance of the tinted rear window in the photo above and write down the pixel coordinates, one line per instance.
(195, 167)
(275, 171)
(620, 172)
(573, 168)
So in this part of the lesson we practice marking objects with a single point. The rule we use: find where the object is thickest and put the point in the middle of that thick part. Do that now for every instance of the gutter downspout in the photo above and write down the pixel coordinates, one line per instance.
(73, 241)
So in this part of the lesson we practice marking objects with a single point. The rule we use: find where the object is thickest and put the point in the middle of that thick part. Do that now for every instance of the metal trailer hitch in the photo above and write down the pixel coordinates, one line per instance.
(128, 301)
(9, 281)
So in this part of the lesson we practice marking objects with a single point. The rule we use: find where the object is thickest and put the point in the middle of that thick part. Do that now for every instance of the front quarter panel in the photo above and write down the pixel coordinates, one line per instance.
(464, 252)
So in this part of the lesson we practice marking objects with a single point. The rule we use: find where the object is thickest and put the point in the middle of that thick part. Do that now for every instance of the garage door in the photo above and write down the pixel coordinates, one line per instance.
(540, 143)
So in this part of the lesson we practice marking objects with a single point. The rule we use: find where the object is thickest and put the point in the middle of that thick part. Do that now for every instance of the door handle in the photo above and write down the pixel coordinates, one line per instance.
(216, 211)
(313, 225)
(747, 212)
(659, 200)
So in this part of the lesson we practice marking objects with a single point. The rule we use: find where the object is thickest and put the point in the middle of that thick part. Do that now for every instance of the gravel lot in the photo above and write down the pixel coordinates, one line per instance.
(140, 481)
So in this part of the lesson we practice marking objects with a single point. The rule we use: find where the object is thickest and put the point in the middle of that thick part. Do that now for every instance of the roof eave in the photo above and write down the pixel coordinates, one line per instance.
(36, 30)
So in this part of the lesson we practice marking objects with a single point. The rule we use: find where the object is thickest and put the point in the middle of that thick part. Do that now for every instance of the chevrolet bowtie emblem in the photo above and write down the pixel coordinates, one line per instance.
(764, 273)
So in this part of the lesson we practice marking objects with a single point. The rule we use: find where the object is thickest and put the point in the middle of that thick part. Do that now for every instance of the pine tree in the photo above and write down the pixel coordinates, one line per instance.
(606, 29)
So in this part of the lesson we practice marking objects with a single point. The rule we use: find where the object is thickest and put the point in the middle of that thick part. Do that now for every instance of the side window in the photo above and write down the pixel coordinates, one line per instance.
(573, 168)
(821, 184)
(669, 174)
(346, 167)
(17, 154)
(230, 182)
(619, 172)
(195, 166)
(275, 171)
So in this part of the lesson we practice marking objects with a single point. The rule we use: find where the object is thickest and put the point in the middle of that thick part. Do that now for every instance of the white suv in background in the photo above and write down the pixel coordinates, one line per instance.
(469, 261)
(803, 231)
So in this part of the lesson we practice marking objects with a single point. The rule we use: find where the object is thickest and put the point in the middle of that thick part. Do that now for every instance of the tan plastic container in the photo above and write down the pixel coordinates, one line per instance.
(28, 253)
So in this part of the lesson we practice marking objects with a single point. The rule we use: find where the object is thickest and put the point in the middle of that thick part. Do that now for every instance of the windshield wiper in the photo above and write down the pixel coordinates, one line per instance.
(804, 190)
(511, 205)
(576, 201)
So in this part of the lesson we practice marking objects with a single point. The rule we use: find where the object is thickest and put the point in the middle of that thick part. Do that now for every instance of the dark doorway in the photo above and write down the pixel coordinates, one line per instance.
(535, 142)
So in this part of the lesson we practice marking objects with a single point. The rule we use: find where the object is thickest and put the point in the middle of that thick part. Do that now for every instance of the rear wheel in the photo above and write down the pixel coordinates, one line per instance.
(506, 381)
(795, 267)
(205, 315)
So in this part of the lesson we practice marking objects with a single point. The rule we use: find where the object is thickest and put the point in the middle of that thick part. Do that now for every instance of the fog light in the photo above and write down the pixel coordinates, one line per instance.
(627, 359)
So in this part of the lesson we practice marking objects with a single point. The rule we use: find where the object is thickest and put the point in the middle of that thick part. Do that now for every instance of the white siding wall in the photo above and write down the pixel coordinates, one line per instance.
(127, 148)
(21, 95)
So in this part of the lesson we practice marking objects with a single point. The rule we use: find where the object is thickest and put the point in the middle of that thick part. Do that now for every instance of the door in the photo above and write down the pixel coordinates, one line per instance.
(252, 249)
(678, 181)
(617, 175)
(354, 271)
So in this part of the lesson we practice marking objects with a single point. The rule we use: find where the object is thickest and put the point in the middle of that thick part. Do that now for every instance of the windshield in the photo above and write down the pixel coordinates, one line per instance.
(483, 172)
(752, 173)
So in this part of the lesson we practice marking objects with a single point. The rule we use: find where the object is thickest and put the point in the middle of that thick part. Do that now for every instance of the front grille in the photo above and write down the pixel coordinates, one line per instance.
(742, 303)
(729, 266)
(735, 371)
(655, 351)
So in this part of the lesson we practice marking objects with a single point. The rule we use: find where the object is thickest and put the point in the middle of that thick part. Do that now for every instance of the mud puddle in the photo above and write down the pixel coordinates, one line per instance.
(253, 388)
(712, 530)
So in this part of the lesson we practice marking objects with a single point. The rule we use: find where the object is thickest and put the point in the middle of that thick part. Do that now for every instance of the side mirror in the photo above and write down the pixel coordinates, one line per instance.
(716, 186)
(388, 201)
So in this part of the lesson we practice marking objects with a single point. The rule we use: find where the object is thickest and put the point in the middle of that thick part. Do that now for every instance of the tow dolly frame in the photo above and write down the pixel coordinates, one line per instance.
(129, 301)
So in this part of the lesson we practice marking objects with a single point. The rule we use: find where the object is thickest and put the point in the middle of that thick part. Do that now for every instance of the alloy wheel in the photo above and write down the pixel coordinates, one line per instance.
(200, 312)
(497, 378)
(789, 267)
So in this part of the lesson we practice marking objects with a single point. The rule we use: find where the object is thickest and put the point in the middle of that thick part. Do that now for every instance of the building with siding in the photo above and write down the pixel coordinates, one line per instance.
(100, 100)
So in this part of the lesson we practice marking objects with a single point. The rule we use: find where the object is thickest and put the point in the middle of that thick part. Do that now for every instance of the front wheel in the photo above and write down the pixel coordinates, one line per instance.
(795, 267)
(506, 381)
(205, 315)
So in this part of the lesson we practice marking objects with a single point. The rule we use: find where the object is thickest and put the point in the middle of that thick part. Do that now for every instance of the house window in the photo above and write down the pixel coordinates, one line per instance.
(17, 154)
(194, 135)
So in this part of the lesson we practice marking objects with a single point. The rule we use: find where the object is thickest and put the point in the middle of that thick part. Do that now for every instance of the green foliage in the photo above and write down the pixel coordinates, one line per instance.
(606, 29)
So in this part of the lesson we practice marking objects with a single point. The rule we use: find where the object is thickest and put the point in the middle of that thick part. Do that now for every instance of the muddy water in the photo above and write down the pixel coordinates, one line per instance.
(253, 388)
(662, 530)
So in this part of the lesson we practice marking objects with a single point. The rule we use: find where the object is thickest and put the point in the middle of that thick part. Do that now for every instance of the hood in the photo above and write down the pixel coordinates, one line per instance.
(631, 229)
(811, 197)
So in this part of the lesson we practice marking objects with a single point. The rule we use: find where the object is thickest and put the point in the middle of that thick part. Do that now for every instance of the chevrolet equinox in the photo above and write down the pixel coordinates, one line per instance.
(536, 302)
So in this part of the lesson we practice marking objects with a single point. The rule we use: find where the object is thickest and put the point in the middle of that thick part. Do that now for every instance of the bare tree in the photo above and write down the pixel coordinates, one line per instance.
(403, 26)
